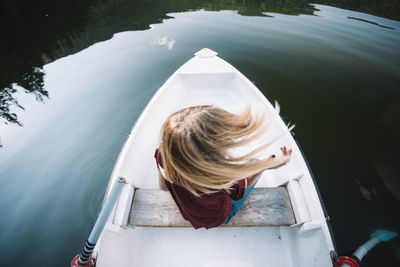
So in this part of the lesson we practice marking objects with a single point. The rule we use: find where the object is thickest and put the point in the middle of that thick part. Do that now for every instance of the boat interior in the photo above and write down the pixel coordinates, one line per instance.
(282, 223)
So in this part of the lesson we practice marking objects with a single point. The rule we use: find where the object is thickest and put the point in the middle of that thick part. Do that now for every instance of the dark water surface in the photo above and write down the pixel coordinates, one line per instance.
(336, 74)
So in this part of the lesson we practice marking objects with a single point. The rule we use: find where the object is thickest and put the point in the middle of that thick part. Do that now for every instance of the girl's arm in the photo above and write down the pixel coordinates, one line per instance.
(161, 182)
(285, 153)
(252, 179)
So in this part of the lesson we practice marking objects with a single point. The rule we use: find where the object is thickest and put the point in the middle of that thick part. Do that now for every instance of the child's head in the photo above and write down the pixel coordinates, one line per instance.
(195, 143)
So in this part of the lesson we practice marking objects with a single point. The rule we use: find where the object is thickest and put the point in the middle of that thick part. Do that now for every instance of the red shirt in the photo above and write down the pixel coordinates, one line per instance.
(207, 211)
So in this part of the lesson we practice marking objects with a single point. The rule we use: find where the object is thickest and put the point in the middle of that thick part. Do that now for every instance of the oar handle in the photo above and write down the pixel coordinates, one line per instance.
(84, 259)
(365, 248)
(358, 255)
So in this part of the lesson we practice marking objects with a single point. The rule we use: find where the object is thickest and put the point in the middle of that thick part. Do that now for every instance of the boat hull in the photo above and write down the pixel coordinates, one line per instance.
(206, 79)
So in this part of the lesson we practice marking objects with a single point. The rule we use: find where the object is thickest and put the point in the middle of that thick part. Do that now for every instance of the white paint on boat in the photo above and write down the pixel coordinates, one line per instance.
(207, 79)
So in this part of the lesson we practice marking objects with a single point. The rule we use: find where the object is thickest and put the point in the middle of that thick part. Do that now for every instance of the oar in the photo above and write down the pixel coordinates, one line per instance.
(355, 259)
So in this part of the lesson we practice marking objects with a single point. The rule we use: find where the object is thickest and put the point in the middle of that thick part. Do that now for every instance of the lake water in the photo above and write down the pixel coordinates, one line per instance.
(335, 73)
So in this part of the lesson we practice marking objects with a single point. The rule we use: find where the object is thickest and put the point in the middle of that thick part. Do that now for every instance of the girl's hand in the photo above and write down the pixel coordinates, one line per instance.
(285, 154)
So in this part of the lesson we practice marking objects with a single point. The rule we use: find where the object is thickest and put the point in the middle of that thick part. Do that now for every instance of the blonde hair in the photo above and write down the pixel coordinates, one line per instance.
(195, 143)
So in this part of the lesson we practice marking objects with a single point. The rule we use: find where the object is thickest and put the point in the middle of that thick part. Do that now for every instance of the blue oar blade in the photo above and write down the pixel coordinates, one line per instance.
(384, 235)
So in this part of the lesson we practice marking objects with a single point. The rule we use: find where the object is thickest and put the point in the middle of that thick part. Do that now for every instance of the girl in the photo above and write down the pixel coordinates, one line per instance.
(207, 183)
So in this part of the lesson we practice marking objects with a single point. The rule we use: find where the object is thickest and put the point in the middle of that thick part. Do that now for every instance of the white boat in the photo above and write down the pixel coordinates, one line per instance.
(207, 79)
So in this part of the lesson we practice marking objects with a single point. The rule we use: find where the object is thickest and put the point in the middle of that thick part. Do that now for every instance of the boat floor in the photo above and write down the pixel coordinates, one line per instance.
(222, 247)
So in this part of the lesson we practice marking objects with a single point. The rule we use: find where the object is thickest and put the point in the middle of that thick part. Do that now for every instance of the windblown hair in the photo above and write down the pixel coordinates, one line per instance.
(195, 144)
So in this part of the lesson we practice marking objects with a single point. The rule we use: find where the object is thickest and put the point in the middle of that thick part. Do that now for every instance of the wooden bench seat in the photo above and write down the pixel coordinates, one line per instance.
(264, 207)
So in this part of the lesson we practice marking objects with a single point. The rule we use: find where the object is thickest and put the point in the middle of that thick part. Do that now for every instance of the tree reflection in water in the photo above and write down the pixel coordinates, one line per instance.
(31, 83)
